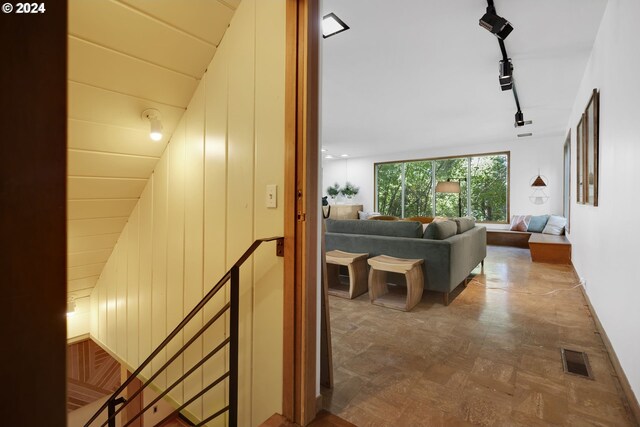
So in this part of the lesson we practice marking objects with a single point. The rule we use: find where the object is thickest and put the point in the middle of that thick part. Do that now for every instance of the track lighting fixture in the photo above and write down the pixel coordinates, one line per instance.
(520, 121)
(155, 125)
(506, 75)
(497, 25)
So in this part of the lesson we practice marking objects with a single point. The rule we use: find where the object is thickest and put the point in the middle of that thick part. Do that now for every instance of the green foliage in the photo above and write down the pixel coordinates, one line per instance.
(333, 190)
(349, 190)
(488, 187)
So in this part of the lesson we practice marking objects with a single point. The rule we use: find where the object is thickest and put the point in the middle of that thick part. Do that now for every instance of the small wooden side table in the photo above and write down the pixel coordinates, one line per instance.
(357, 267)
(379, 290)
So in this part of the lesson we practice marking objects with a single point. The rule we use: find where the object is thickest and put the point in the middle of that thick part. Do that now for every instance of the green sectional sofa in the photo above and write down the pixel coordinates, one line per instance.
(450, 249)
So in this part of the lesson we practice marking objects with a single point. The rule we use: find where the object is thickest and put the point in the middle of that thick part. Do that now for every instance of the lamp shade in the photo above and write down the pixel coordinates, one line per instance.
(539, 182)
(448, 187)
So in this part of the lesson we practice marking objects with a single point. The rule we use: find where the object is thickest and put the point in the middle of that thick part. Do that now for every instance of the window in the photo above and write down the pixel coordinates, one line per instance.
(408, 188)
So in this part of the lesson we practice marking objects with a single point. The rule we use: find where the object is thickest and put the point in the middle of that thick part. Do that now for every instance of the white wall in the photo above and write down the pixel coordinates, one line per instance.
(202, 208)
(605, 245)
(527, 156)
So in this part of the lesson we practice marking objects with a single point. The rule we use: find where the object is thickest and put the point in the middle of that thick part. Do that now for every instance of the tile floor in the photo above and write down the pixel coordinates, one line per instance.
(491, 358)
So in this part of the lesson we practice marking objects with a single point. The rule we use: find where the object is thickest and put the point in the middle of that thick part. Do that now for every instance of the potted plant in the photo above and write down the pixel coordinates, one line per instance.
(349, 190)
(333, 191)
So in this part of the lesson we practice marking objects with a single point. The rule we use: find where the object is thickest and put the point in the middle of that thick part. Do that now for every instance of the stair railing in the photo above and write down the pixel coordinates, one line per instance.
(232, 306)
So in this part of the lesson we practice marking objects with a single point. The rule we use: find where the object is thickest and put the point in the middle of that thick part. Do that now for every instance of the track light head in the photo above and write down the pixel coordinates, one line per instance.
(506, 75)
(520, 121)
(497, 25)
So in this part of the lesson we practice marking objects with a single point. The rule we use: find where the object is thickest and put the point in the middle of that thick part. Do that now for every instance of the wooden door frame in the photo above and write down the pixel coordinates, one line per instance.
(301, 210)
(33, 265)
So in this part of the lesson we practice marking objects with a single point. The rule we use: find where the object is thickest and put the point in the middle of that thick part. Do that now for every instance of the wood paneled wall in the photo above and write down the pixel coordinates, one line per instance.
(91, 374)
(203, 206)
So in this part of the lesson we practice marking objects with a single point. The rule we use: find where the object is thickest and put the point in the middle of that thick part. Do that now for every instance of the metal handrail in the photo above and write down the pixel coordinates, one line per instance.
(233, 276)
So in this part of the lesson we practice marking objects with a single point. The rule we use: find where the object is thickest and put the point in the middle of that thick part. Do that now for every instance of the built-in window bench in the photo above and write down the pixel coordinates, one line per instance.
(544, 247)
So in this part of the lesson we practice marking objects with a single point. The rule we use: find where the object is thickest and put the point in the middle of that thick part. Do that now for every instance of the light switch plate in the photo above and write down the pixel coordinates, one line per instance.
(271, 200)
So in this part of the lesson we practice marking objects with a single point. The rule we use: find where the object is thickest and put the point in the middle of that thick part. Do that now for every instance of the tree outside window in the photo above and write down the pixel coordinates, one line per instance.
(406, 189)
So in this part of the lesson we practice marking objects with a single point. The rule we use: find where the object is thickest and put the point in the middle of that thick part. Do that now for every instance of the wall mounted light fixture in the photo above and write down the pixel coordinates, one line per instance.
(538, 196)
(155, 125)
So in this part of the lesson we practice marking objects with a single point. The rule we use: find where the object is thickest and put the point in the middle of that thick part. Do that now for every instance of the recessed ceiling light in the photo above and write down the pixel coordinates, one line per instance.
(328, 156)
(332, 25)
(324, 150)
(344, 155)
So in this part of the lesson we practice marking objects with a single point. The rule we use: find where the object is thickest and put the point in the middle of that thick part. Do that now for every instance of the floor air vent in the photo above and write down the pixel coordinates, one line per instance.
(576, 363)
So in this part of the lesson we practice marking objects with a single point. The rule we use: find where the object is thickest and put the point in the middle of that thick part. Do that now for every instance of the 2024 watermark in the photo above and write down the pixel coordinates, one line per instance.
(23, 8)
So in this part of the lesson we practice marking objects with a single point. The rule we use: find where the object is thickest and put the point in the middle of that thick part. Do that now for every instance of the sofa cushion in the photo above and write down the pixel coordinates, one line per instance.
(440, 230)
(555, 225)
(537, 223)
(520, 222)
(377, 228)
(465, 223)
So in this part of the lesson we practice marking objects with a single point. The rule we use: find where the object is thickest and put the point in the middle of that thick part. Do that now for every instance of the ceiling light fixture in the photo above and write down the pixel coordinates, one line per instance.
(328, 156)
(344, 155)
(332, 25)
(155, 125)
(496, 24)
(71, 307)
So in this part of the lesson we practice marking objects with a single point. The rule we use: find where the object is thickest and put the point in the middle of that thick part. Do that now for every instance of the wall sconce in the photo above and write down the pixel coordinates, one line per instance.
(538, 196)
(155, 125)
(71, 307)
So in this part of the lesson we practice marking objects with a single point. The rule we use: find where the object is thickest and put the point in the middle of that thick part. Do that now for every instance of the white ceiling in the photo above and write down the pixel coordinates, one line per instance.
(415, 74)
(124, 57)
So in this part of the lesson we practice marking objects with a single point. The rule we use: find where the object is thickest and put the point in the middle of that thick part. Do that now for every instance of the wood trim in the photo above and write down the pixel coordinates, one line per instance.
(631, 402)
(301, 210)
(461, 156)
(518, 239)
(33, 131)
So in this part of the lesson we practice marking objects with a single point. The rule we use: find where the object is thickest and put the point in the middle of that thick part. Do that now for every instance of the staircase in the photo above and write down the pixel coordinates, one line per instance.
(117, 403)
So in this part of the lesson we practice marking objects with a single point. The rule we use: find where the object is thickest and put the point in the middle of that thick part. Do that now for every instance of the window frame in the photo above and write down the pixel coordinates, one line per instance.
(461, 156)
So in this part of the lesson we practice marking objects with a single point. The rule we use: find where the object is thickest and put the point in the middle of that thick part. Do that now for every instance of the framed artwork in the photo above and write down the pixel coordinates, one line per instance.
(580, 160)
(591, 135)
(566, 187)
(587, 140)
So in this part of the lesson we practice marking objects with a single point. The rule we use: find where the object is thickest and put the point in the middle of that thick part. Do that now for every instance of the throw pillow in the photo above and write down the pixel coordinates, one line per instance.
(555, 225)
(465, 223)
(537, 223)
(440, 230)
(367, 215)
(520, 222)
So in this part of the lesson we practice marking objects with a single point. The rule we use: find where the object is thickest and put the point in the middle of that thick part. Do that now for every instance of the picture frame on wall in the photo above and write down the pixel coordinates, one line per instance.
(580, 160)
(566, 185)
(591, 138)
(587, 152)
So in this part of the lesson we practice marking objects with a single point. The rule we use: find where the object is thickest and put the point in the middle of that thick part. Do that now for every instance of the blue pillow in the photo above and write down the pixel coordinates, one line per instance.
(537, 223)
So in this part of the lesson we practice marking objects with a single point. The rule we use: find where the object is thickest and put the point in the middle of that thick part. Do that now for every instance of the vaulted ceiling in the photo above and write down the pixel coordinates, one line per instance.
(125, 56)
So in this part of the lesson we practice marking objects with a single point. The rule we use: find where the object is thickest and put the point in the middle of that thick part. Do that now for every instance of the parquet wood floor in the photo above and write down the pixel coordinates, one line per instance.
(491, 358)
